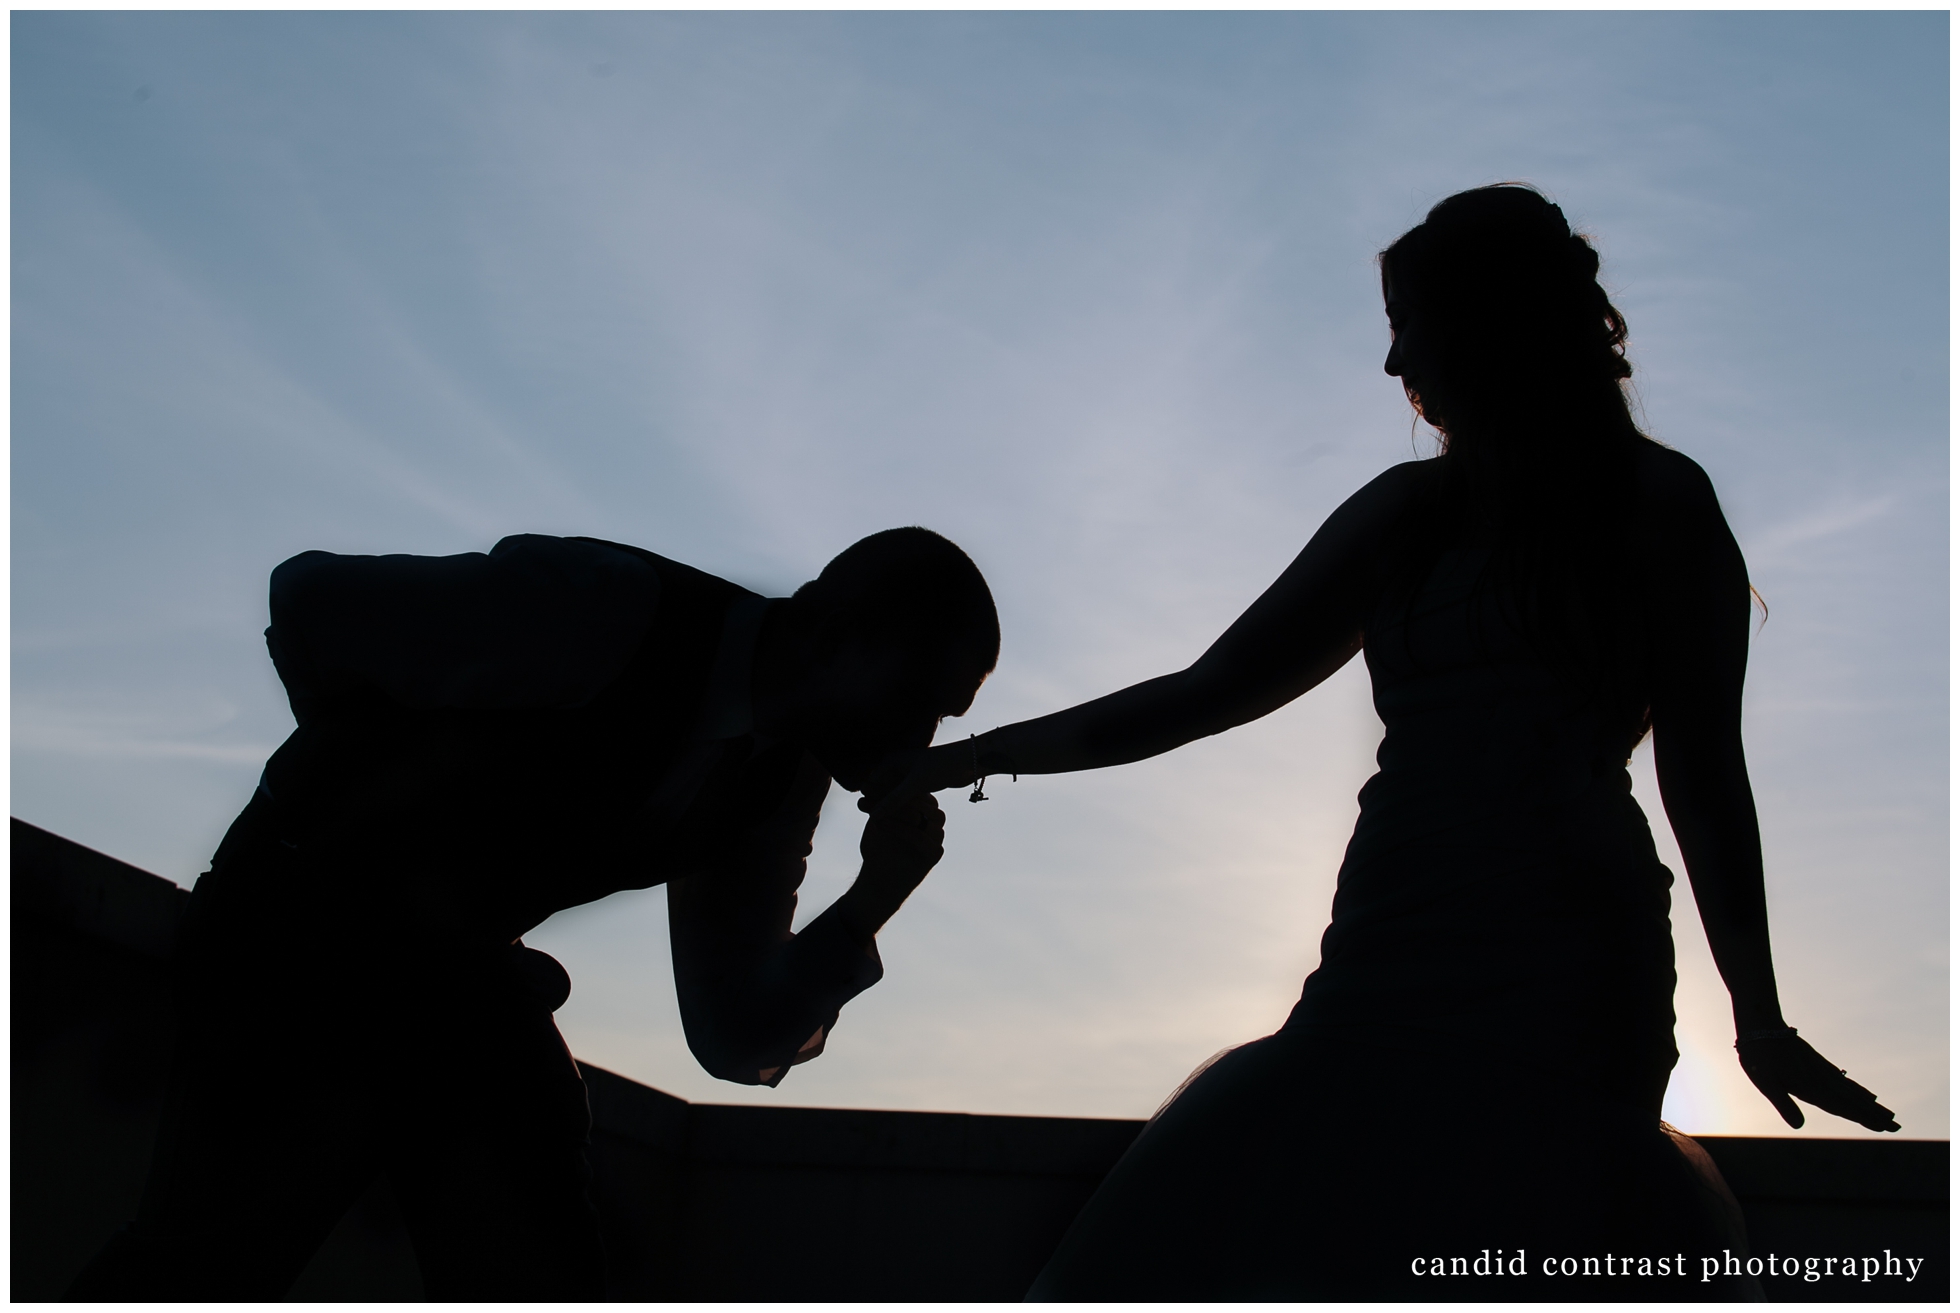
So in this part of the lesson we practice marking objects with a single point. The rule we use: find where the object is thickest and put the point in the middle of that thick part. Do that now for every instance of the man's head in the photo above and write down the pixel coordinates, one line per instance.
(895, 633)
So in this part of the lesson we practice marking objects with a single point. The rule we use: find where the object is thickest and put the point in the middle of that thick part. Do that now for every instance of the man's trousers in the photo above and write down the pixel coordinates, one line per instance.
(319, 1052)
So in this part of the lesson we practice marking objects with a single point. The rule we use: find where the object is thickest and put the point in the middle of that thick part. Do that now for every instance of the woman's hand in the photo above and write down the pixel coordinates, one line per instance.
(1783, 1065)
(901, 843)
(917, 772)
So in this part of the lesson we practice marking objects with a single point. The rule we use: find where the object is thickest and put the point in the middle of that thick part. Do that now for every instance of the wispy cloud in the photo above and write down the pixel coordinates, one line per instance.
(129, 736)
(1778, 544)
(1092, 293)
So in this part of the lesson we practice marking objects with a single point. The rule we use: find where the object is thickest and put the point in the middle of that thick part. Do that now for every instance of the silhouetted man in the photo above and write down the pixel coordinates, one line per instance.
(484, 740)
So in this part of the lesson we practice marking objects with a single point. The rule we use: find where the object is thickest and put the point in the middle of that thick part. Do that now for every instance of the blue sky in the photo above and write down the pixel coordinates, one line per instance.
(1091, 294)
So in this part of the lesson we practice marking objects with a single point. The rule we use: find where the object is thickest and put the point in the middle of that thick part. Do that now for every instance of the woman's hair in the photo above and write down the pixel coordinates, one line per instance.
(1523, 372)
(1521, 330)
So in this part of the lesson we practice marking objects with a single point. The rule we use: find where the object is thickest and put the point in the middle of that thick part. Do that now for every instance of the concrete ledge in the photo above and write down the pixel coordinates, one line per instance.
(638, 1112)
(92, 893)
(968, 1143)
(718, 1201)
(1889, 1170)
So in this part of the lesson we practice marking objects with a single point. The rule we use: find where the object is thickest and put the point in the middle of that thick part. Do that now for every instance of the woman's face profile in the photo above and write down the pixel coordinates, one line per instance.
(1406, 348)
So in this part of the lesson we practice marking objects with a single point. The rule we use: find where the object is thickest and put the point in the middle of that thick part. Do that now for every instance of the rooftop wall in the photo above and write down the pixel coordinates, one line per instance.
(707, 1201)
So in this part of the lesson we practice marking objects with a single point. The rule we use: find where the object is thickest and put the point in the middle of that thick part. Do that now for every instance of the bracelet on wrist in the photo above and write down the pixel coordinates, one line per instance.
(979, 793)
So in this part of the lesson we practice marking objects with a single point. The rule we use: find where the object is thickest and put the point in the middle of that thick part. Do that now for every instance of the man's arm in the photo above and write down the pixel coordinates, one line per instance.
(755, 998)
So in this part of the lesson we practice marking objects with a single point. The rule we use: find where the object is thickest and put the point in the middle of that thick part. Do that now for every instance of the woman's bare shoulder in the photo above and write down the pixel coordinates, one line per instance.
(1408, 474)
(1379, 506)
(1397, 486)
(1672, 487)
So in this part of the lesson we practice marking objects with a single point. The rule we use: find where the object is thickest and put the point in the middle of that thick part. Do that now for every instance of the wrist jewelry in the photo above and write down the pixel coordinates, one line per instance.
(979, 780)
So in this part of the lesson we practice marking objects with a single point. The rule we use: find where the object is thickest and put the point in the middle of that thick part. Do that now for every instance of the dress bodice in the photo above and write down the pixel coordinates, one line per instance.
(1479, 729)
(1501, 890)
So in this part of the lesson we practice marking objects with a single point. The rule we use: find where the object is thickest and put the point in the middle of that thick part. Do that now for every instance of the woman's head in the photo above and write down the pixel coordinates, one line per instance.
(1501, 324)
(1507, 344)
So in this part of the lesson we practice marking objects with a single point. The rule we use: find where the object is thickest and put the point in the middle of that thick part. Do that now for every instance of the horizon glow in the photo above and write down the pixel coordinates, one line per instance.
(1092, 294)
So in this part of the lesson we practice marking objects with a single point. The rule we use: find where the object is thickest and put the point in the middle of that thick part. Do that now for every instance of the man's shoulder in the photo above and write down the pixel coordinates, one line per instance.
(671, 573)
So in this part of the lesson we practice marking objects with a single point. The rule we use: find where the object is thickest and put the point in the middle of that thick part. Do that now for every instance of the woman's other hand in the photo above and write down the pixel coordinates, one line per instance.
(1784, 1065)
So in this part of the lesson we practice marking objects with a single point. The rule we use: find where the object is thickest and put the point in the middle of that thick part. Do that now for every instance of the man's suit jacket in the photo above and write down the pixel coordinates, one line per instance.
(484, 740)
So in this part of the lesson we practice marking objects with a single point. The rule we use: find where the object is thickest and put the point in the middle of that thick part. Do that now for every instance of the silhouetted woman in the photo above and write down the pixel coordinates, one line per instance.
(1475, 1070)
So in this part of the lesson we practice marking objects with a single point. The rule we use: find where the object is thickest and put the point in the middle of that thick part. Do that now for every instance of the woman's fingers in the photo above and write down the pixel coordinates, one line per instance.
(1817, 1081)
(906, 793)
(889, 774)
(903, 776)
(1785, 1065)
(1878, 1118)
(1846, 1098)
(898, 779)
(1773, 1089)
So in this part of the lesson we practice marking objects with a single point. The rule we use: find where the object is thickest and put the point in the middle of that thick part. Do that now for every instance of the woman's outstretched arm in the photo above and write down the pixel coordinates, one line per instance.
(1700, 590)
(1301, 630)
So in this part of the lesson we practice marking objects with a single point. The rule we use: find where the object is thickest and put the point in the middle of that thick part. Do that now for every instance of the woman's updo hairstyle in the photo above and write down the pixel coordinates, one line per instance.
(1522, 364)
(1516, 324)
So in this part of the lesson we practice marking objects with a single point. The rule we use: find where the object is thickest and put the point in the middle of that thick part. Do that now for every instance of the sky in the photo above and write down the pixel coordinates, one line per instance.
(1091, 294)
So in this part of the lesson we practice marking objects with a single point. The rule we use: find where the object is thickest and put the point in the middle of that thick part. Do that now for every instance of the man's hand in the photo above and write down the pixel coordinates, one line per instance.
(1783, 1065)
(901, 844)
